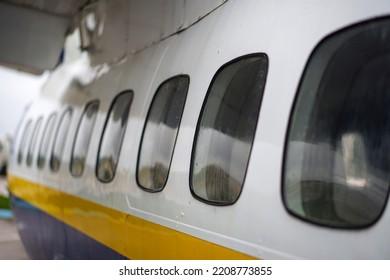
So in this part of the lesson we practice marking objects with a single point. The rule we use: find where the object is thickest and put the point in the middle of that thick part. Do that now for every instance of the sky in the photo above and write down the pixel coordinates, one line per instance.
(17, 89)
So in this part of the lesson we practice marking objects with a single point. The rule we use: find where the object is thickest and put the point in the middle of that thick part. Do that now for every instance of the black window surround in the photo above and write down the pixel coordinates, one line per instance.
(226, 128)
(23, 143)
(34, 141)
(336, 169)
(160, 132)
(60, 139)
(112, 136)
(82, 138)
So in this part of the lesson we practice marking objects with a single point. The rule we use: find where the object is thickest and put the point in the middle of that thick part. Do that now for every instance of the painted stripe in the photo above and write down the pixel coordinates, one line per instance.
(46, 238)
(128, 235)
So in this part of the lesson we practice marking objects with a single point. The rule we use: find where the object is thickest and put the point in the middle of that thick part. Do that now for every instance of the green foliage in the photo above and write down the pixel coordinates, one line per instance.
(4, 202)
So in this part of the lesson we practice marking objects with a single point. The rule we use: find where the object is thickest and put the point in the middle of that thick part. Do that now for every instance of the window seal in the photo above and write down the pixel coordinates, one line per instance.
(53, 116)
(78, 131)
(67, 110)
(144, 128)
(289, 127)
(23, 145)
(34, 141)
(197, 129)
(131, 93)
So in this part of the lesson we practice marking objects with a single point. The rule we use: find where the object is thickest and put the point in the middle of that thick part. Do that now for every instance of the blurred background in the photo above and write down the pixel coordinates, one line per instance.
(17, 90)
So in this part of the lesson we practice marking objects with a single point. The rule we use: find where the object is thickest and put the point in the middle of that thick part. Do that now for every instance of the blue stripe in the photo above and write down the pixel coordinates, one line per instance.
(45, 237)
(5, 214)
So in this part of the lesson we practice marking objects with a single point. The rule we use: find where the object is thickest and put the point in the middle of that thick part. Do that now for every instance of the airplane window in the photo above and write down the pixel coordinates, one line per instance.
(47, 135)
(59, 142)
(160, 132)
(112, 137)
(337, 165)
(226, 130)
(23, 143)
(33, 142)
(83, 137)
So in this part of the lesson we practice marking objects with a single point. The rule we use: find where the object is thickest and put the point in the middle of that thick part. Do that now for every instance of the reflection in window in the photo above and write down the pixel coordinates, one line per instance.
(158, 140)
(112, 137)
(46, 138)
(337, 168)
(83, 137)
(33, 142)
(23, 143)
(226, 130)
(59, 142)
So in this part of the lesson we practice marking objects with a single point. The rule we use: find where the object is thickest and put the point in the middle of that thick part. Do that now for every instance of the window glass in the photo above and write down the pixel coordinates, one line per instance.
(160, 132)
(112, 137)
(83, 137)
(47, 135)
(337, 168)
(226, 130)
(23, 143)
(59, 142)
(33, 142)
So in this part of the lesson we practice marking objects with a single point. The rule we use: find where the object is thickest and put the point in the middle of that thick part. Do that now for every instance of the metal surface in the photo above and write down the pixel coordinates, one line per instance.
(258, 223)
(110, 29)
(67, 8)
(30, 40)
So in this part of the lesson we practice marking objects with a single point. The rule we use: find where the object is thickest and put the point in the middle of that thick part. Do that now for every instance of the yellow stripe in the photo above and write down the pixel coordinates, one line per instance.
(130, 236)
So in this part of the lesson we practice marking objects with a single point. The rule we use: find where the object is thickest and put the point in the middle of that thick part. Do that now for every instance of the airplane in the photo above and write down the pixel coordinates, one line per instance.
(230, 129)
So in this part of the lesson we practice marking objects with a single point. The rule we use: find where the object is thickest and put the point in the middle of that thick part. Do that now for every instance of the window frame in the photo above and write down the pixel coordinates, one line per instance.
(148, 115)
(107, 119)
(67, 110)
(90, 103)
(45, 140)
(292, 112)
(23, 145)
(34, 141)
(200, 116)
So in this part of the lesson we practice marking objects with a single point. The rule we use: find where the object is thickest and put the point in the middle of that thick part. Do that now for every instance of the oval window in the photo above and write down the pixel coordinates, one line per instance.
(33, 142)
(23, 143)
(45, 142)
(112, 137)
(226, 130)
(60, 139)
(83, 138)
(336, 167)
(160, 132)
